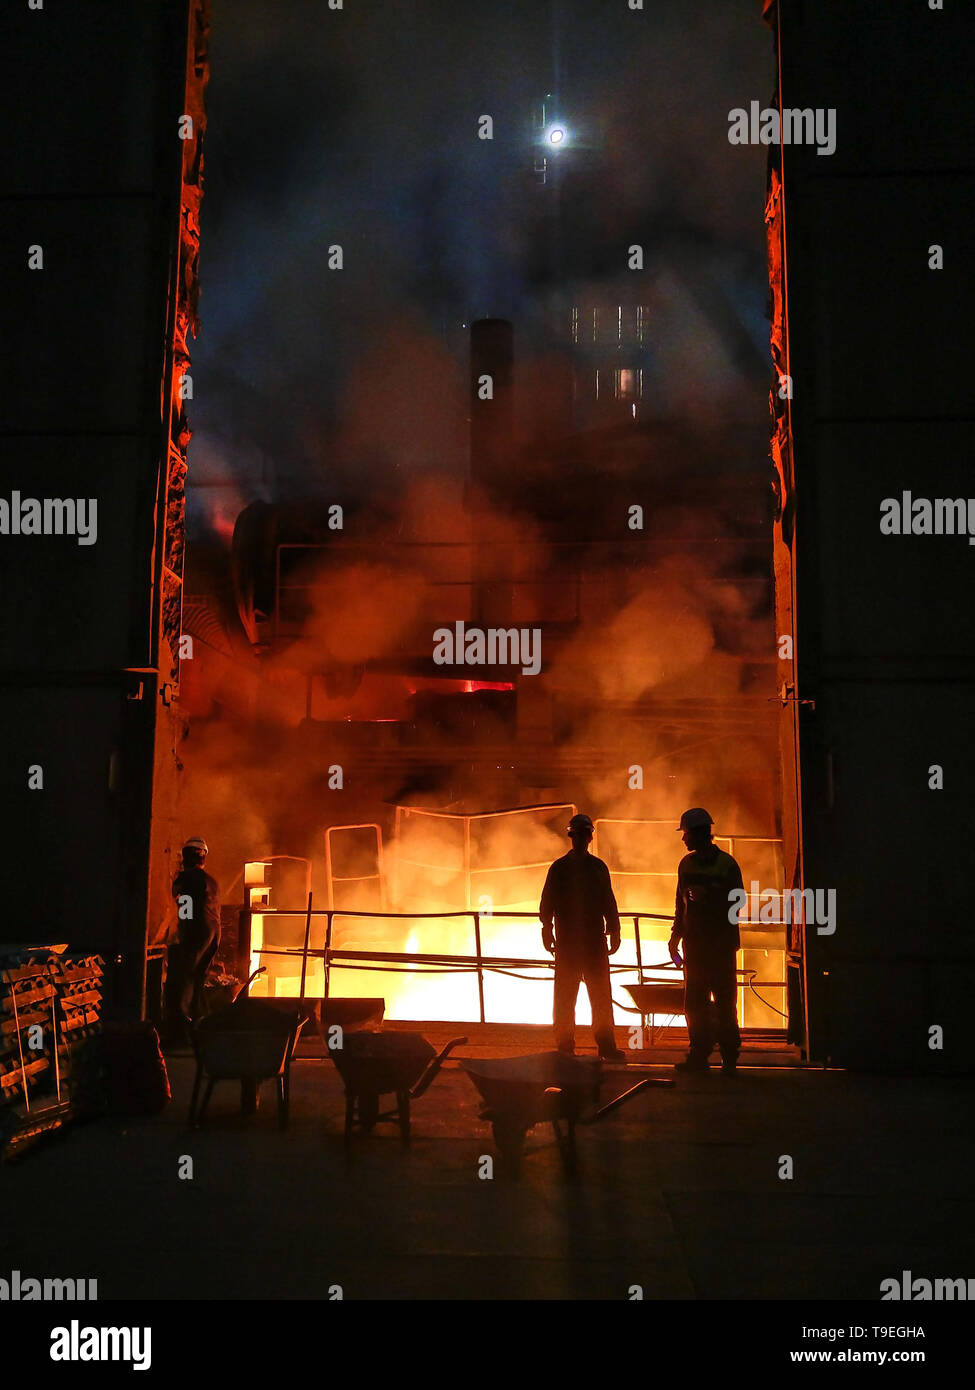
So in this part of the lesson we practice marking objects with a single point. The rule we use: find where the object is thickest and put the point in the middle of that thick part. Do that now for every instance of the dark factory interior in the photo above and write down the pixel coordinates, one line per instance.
(482, 439)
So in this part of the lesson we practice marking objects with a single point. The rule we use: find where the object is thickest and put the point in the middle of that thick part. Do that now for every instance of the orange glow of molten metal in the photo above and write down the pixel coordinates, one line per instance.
(481, 870)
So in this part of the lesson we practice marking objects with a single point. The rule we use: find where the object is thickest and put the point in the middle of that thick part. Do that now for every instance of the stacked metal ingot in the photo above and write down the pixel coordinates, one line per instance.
(30, 1100)
(78, 981)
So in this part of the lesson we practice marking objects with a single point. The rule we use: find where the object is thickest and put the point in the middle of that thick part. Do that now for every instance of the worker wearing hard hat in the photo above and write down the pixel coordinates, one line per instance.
(577, 911)
(708, 928)
(197, 896)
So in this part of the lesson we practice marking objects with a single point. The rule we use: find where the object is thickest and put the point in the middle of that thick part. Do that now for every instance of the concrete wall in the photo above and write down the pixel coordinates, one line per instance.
(92, 174)
(884, 401)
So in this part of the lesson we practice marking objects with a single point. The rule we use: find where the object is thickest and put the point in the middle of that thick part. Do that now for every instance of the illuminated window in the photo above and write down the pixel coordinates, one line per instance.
(642, 315)
(574, 325)
(629, 384)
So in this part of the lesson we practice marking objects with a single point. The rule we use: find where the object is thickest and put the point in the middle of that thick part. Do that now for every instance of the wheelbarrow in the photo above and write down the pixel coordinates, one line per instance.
(656, 997)
(546, 1087)
(250, 1041)
(373, 1065)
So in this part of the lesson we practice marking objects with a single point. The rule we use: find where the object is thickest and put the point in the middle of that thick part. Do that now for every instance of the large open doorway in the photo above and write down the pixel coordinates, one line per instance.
(490, 364)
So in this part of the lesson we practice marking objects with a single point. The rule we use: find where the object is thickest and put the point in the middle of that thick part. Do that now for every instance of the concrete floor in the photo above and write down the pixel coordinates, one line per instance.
(678, 1192)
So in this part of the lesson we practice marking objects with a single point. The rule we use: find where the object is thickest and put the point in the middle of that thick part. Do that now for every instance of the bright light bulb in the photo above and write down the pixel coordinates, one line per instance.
(556, 135)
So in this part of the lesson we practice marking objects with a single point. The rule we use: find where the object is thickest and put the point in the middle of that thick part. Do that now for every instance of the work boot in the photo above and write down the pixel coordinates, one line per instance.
(729, 1065)
(692, 1063)
(612, 1054)
(566, 1049)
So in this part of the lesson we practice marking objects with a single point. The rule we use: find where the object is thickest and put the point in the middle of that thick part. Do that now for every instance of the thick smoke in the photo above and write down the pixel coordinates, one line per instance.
(351, 386)
(668, 638)
(325, 129)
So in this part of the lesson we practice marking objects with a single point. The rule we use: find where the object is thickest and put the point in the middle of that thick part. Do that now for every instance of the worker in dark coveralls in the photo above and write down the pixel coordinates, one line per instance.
(578, 910)
(707, 925)
(197, 896)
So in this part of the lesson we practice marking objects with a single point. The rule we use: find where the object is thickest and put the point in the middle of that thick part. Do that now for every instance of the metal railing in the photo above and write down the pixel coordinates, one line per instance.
(450, 964)
(729, 843)
(463, 822)
(331, 878)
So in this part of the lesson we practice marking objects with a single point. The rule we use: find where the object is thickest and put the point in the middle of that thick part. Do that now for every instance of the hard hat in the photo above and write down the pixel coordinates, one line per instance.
(198, 844)
(694, 819)
(580, 822)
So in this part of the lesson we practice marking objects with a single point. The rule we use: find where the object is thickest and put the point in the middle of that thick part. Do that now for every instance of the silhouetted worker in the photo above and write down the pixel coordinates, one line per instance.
(197, 896)
(704, 922)
(578, 899)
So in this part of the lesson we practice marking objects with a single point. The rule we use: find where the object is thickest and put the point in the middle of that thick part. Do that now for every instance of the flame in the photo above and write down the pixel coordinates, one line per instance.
(429, 876)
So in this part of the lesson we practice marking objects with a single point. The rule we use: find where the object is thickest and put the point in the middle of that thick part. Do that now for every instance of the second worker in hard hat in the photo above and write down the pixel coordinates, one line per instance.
(197, 896)
(578, 911)
(707, 928)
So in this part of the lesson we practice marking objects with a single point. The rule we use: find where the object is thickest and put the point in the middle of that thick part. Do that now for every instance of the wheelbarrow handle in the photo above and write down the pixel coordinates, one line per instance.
(433, 1066)
(261, 970)
(627, 1095)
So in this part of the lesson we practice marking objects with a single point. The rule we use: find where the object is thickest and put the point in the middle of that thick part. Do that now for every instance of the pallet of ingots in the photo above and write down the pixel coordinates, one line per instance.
(30, 1099)
(78, 982)
(28, 1021)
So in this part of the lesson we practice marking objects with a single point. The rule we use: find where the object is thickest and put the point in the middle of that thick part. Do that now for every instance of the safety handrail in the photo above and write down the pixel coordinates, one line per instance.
(447, 963)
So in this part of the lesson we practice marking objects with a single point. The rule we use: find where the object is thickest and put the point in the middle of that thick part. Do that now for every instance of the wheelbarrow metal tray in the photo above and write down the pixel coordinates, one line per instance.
(381, 1063)
(657, 997)
(248, 1041)
(518, 1086)
(377, 1064)
(244, 1056)
(349, 1014)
